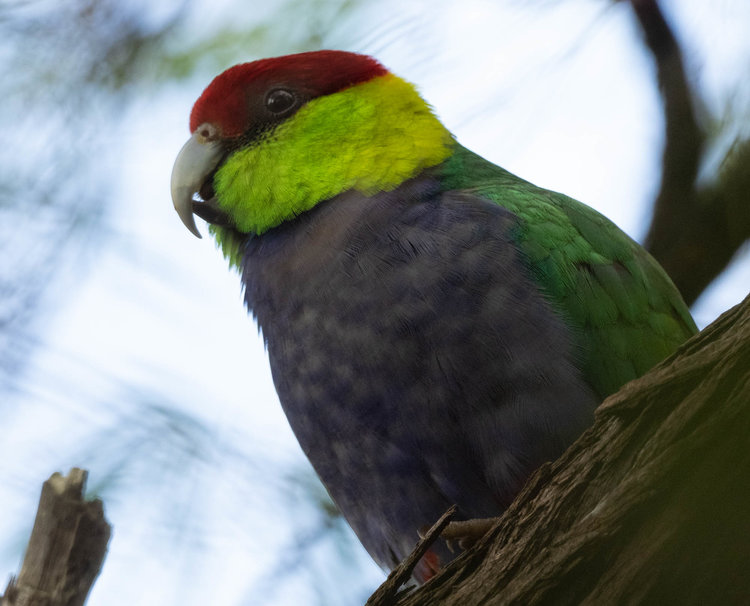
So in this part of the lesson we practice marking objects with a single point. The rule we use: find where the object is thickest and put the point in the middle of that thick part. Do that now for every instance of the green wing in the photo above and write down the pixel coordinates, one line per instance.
(626, 311)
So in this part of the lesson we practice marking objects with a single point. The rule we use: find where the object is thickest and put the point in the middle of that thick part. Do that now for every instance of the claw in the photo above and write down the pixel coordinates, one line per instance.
(467, 532)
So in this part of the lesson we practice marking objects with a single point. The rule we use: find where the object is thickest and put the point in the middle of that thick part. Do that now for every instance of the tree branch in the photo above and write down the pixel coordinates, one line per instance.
(66, 548)
(648, 506)
(695, 231)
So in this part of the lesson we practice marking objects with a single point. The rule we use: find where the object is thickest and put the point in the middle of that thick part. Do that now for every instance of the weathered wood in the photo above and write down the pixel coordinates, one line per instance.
(66, 549)
(650, 506)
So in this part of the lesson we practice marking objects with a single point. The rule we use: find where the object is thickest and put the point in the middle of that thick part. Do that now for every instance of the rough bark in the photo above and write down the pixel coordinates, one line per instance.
(650, 506)
(66, 549)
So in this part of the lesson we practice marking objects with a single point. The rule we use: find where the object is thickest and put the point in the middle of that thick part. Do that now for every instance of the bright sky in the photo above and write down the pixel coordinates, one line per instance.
(555, 92)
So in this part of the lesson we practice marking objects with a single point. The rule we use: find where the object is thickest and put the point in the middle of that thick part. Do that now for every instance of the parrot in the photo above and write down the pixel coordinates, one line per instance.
(437, 328)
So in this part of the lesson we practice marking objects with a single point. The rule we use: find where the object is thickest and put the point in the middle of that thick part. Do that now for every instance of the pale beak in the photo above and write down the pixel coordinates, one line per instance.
(195, 162)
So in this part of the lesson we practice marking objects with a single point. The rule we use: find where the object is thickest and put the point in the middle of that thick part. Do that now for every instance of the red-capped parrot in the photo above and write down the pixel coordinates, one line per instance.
(436, 326)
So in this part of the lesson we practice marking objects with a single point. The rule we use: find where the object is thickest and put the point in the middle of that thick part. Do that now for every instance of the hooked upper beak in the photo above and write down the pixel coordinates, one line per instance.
(195, 162)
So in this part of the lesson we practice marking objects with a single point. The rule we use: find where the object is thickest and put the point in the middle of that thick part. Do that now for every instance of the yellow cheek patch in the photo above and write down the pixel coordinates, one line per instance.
(370, 138)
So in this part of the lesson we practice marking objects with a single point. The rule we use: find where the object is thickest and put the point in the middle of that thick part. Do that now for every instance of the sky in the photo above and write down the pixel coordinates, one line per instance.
(559, 93)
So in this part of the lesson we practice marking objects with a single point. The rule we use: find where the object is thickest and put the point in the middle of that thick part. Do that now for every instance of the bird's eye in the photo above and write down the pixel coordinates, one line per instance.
(280, 100)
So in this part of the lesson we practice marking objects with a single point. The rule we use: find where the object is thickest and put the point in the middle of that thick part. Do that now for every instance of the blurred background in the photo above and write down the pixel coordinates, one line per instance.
(124, 345)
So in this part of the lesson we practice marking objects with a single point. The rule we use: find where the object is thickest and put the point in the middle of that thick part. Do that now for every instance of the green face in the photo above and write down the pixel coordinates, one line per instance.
(370, 137)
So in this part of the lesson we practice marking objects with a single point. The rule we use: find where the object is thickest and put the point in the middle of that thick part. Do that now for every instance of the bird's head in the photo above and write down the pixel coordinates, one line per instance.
(273, 138)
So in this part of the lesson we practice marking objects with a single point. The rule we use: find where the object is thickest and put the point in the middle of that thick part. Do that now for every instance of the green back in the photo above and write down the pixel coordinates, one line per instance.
(623, 307)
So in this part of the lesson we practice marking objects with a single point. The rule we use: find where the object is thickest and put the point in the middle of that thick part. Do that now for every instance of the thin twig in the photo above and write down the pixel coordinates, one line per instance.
(386, 593)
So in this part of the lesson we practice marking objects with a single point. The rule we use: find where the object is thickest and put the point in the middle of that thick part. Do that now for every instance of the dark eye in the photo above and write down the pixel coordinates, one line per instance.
(280, 100)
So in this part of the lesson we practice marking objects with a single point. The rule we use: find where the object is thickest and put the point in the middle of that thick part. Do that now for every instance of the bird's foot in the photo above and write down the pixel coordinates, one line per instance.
(466, 533)
(421, 558)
